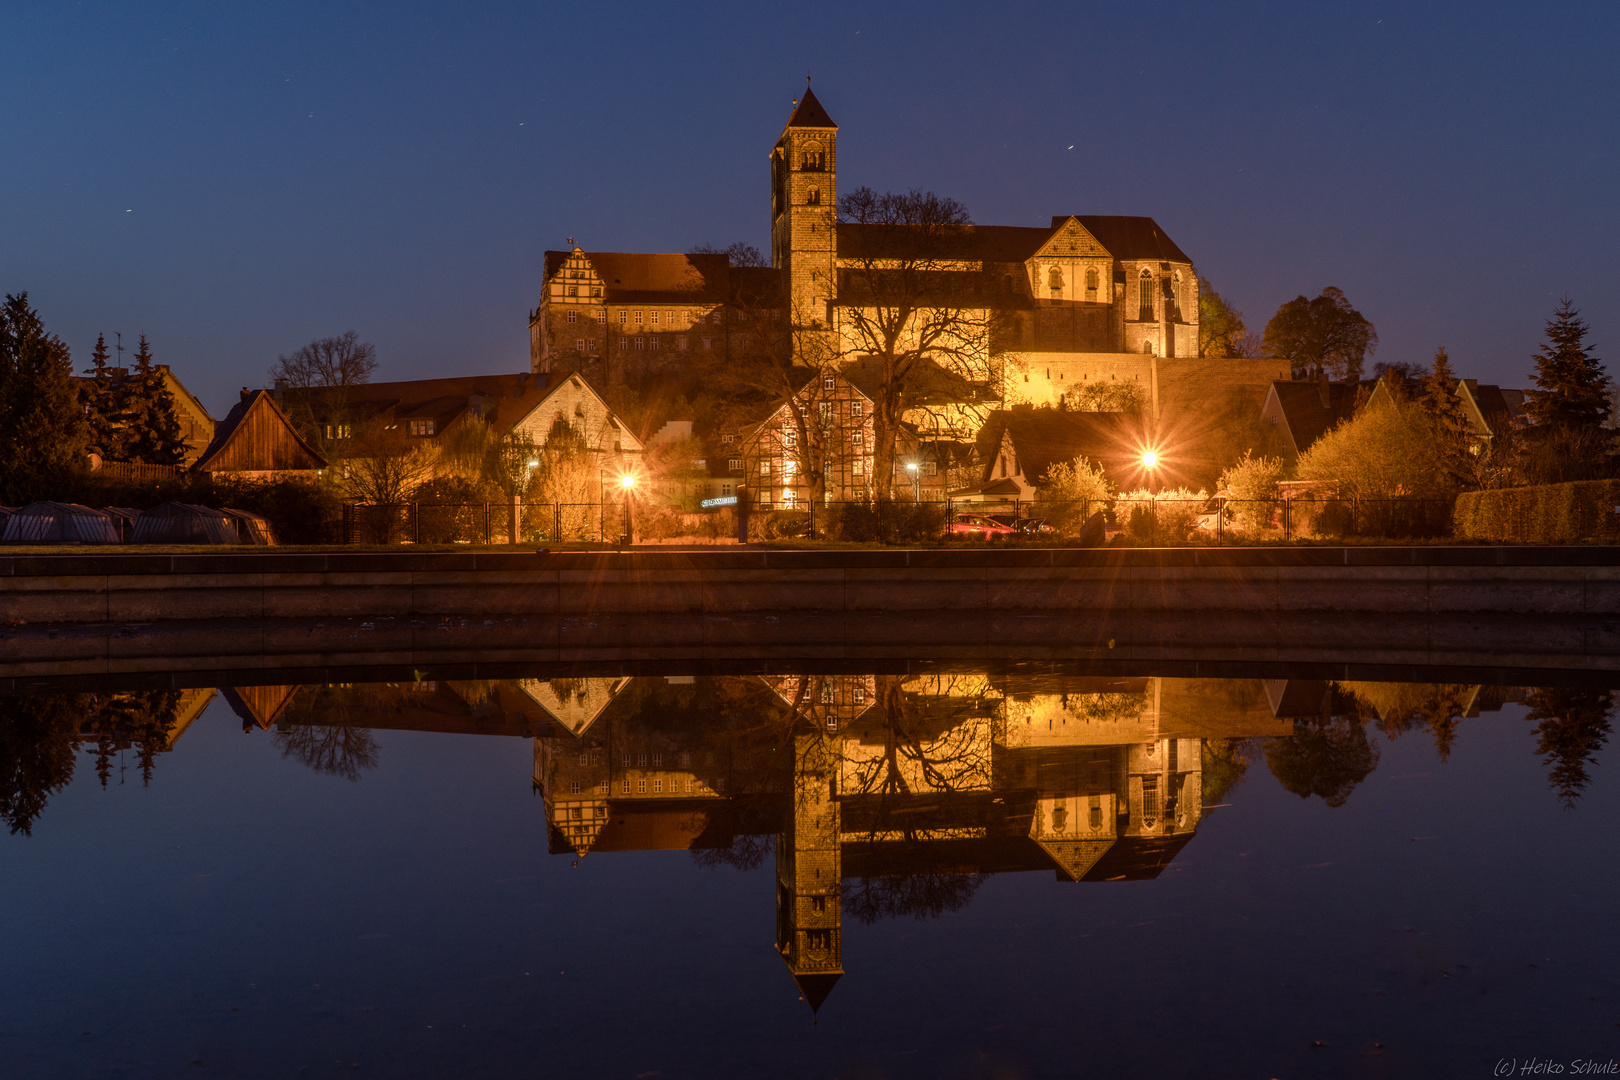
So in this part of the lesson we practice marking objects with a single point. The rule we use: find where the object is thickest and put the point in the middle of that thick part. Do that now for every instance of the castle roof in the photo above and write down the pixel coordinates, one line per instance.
(1124, 237)
(809, 113)
(1128, 237)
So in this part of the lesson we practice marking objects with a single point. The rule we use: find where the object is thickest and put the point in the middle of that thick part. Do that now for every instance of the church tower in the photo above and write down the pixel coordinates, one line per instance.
(804, 202)
(809, 874)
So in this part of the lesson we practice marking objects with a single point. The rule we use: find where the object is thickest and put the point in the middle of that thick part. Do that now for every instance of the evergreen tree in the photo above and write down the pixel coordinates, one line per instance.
(1454, 434)
(42, 428)
(154, 428)
(1572, 389)
(1571, 727)
(102, 398)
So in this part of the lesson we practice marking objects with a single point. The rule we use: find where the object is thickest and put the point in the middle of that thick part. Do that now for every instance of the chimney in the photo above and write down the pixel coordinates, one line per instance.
(281, 389)
(246, 393)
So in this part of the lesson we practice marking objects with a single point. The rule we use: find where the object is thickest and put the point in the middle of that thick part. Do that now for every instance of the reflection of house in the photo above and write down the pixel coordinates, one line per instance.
(948, 775)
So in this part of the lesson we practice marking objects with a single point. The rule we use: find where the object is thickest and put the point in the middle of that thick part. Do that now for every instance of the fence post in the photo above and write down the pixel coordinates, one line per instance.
(416, 522)
(556, 522)
(1288, 505)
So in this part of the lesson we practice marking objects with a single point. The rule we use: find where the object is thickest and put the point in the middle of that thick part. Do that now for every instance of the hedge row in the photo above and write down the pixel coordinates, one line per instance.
(1546, 514)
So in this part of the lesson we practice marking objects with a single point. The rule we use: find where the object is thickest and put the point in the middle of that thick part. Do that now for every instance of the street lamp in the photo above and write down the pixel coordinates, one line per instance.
(916, 481)
(627, 482)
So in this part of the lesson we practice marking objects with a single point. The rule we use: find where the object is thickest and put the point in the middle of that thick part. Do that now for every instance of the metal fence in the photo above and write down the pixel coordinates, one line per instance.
(1158, 522)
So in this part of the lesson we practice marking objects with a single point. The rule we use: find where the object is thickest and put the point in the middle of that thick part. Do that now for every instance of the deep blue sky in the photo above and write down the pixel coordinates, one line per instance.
(237, 179)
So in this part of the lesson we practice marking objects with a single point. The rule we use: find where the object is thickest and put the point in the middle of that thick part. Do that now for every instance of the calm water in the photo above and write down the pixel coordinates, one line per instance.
(972, 875)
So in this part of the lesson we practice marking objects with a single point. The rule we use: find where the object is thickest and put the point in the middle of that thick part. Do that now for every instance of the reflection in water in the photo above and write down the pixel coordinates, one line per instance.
(873, 796)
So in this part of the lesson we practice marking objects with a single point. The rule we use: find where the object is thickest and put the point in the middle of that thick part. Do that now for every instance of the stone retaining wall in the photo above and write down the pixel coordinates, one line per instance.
(1431, 580)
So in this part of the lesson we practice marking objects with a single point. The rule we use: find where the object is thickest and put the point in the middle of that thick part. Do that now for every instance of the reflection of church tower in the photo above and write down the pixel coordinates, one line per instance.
(573, 781)
(808, 874)
(804, 199)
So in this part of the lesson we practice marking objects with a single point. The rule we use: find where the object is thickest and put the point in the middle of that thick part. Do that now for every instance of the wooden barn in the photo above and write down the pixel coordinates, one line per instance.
(257, 441)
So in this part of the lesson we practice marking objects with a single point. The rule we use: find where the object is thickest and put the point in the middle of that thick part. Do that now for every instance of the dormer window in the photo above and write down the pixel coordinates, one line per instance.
(421, 427)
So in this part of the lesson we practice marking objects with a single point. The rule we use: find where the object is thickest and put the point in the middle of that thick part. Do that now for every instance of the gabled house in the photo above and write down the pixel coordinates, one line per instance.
(776, 457)
(1491, 409)
(196, 424)
(1303, 412)
(257, 441)
(431, 411)
(1016, 449)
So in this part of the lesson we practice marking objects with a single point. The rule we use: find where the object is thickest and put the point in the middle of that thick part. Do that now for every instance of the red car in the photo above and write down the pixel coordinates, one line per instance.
(979, 527)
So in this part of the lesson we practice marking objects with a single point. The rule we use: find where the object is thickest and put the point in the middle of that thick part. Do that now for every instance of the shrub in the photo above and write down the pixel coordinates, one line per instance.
(1073, 491)
(1252, 486)
(1548, 513)
(885, 521)
(1163, 517)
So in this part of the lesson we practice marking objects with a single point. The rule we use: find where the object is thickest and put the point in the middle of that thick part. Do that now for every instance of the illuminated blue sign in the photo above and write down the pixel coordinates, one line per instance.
(724, 500)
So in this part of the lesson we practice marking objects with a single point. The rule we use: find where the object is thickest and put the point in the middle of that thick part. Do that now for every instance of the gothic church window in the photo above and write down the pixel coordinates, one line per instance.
(1054, 279)
(1145, 297)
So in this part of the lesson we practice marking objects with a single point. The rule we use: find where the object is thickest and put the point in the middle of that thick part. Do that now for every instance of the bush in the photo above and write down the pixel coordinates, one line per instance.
(1072, 492)
(1252, 486)
(300, 511)
(1164, 517)
(1546, 514)
(886, 521)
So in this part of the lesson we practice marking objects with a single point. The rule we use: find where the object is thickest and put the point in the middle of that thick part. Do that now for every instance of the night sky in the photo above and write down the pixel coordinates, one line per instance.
(234, 180)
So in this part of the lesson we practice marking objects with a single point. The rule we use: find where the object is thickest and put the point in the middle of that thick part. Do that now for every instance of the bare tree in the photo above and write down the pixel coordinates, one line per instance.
(912, 300)
(320, 376)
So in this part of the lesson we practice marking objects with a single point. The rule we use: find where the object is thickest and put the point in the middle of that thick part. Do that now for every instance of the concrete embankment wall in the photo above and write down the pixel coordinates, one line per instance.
(1391, 580)
(1426, 606)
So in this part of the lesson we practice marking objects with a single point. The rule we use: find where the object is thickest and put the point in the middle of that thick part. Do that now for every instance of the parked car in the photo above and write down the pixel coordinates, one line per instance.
(979, 527)
(1036, 527)
(1208, 519)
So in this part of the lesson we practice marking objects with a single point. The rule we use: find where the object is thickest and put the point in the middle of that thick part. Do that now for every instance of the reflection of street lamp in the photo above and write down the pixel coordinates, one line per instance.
(916, 481)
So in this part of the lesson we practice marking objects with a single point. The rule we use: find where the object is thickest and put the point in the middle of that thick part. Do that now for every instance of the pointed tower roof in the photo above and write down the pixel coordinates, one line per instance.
(815, 987)
(810, 114)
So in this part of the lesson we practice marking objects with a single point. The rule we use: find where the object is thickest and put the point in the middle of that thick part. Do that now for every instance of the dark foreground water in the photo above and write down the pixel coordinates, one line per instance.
(972, 875)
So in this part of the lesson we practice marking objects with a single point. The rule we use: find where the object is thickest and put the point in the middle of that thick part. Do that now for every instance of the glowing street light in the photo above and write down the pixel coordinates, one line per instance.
(916, 481)
(1150, 459)
(627, 481)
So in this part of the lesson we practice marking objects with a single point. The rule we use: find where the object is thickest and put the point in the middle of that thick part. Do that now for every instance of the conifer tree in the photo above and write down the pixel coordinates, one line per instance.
(42, 428)
(1572, 389)
(1454, 439)
(102, 399)
(154, 428)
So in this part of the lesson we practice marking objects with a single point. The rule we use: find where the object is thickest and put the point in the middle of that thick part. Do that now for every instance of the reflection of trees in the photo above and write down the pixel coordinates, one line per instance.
(1224, 762)
(747, 852)
(1571, 727)
(1403, 707)
(319, 729)
(933, 743)
(38, 737)
(1325, 756)
(131, 718)
(923, 894)
(36, 753)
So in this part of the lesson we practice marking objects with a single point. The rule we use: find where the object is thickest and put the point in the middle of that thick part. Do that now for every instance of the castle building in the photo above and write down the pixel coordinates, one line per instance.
(1062, 307)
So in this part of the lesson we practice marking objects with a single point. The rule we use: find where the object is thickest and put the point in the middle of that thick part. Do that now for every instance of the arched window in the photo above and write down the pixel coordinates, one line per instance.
(1091, 279)
(812, 197)
(1147, 347)
(1054, 279)
(1144, 305)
